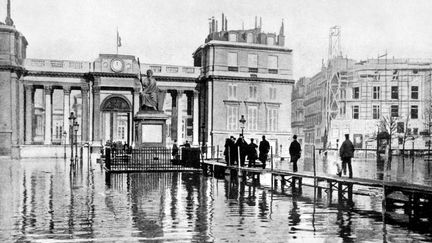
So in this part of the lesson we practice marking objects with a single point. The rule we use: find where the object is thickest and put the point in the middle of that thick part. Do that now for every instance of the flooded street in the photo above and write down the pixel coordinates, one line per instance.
(43, 201)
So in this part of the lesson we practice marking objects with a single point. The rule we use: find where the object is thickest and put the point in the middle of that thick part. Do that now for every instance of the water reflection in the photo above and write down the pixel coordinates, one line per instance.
(42, 200)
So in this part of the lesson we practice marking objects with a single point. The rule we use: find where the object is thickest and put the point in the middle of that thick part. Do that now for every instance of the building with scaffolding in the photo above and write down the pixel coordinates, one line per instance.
(349, 97)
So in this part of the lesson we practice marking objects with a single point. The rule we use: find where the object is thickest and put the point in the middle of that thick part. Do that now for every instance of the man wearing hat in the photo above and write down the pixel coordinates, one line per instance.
(346, 152)
(295, 152)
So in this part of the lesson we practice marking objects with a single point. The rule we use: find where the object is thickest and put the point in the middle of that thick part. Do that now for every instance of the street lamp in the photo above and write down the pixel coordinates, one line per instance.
(75, 128)
(64, 139)
(242, 122)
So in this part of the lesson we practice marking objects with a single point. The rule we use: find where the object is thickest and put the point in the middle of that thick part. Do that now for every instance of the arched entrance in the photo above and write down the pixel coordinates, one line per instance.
(116, 117)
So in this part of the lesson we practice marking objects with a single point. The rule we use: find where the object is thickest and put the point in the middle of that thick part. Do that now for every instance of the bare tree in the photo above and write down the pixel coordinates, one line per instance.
(388, 124)
(427, 120)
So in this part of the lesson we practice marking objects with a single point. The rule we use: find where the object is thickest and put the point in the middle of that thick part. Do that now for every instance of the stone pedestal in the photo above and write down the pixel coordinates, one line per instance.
(150, 129)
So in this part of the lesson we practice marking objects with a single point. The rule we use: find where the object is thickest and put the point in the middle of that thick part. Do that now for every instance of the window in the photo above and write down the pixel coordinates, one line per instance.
(253, 60)
(400, 127)
(232, 117)
(232, 62)
(415, 131)
(249, 38)
(414, 112)
(394, 110)
(272, 119)
(252, 115)
(272, 93)
(395, 92)
(356, 93)
(375, 112)
(414, 92)
(253, 91)
(232, 91)
(376, 93)
(270, 40)
(232, 37)
(273, 64)
(355, 112)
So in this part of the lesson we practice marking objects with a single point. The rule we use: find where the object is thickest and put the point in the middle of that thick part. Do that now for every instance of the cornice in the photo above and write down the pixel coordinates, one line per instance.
(271, 80)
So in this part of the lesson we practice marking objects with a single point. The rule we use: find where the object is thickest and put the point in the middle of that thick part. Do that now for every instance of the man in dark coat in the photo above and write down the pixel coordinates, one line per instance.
(252, 153)
(264, 149)
(233, 151)
(295, 152)
(227, 152)
(346, 152)
(243, 146)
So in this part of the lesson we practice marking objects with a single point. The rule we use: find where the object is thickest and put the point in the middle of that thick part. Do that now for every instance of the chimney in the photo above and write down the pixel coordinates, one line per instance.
(260, 26)
(226, 24)
(8, 20)
(213, 24)
(223, 22)
(217, 26)
(256, 22)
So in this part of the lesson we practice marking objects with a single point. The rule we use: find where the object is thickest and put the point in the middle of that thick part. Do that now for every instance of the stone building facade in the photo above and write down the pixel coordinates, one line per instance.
(367, 91)
(245, 73)
(38, 95)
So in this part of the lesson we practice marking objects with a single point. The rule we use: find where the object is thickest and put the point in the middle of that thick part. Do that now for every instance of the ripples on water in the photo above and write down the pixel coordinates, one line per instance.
(42, 201)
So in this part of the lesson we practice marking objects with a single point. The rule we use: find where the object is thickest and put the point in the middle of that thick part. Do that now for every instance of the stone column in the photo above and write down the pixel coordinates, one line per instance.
(29, 90)
(85, 114)
(173, 114)
(96, 115)
(179, 116)
(21, 112)
(48, 114)
(66, 111)
(14, 105)
(195, 118)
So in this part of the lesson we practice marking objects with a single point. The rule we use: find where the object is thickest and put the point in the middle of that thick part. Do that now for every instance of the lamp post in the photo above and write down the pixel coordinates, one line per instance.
(72, 119)
(203, 138)
(75, 128)
(242, 123)
(64, 143)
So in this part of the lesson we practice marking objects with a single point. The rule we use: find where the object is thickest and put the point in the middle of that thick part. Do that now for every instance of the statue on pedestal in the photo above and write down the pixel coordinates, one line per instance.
(151, 96)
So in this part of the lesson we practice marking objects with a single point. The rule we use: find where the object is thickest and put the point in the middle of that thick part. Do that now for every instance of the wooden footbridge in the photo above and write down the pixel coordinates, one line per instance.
(415, 197)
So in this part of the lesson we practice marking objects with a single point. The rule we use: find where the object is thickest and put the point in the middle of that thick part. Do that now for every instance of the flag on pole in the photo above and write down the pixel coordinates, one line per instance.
(118, 39)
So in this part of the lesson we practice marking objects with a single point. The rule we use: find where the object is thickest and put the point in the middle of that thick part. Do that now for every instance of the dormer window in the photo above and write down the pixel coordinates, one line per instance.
(249, 38)
(232, 37)
(270, 40)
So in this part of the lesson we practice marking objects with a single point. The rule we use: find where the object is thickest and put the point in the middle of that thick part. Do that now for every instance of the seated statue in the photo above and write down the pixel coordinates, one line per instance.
(151, 96)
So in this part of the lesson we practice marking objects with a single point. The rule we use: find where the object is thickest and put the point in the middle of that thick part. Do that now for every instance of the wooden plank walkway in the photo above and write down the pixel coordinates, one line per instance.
(333, 178)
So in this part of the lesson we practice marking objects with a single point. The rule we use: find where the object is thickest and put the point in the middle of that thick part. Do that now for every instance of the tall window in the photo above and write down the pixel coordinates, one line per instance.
(272, 93)
(252, 118)
(272, 119)
(355, 112)
(395, 92)
(414, 92)
(232, 91)
(253, 63)
(376, 93)
(253, 91)
(232, 61)
(414, 112)
(356, 93)
(394, 110)
(273, 64)
(232, 117)
(375, 112)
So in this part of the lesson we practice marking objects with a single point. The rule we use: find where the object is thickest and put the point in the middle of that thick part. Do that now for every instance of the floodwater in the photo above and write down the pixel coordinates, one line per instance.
(43, 201)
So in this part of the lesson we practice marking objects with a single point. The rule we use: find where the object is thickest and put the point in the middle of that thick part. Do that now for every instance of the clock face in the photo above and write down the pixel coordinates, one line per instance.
(117, 65)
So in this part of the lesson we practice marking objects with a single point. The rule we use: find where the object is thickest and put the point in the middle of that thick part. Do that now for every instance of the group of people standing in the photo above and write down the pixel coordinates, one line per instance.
(237, 150)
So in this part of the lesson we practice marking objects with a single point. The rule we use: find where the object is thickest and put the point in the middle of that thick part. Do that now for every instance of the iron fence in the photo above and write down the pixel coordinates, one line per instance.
(151, 159)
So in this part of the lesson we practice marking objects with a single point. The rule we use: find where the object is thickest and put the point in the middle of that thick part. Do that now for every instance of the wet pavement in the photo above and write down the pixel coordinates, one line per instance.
(43, 201)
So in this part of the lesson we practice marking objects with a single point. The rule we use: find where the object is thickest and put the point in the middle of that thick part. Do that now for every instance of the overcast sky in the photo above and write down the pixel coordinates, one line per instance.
(168, 32)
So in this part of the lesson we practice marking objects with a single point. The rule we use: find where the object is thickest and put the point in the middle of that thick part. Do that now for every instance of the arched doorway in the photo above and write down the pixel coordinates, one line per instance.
(116, 117)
